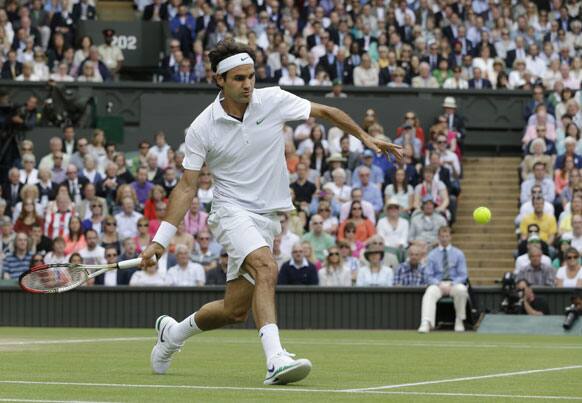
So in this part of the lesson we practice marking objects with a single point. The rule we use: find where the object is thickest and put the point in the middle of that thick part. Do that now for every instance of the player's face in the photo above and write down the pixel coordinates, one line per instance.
(239, 83)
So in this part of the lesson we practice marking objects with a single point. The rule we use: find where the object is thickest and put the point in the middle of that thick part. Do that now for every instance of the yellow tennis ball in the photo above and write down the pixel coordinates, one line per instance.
(482, 215)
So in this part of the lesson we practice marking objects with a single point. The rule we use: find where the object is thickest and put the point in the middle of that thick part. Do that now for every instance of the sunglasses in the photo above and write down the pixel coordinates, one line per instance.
(96, 205)
(571, 257)
(111, 223)
(324, 209)
(441, 142)
(334, 254)
(143, 225)
(111, 255)
(204, 239)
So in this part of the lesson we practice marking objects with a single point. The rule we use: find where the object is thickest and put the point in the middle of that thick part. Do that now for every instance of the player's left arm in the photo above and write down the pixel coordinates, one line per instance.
(347, 124)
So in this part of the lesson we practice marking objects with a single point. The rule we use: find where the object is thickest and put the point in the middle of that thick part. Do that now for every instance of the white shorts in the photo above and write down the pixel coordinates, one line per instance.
(241, 232)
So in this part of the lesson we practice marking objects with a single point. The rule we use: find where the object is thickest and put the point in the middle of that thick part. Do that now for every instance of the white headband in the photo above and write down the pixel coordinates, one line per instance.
(233, 61)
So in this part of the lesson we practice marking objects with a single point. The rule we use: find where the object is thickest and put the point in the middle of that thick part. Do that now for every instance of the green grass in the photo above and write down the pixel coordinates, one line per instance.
(234, 359)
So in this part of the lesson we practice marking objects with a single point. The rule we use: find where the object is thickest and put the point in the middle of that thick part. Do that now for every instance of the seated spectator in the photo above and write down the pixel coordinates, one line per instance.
(298, 270)
(570, 275)
(446, 273)
(370, 190)
(334, 272)
(185, 74)
(11, 68)
(75, 239)
(292, 77)
(424, 79)
(363, 226)
(342, 193)
(217, 276)
(318, 238)
(407, 137)
(57, 255)
(456, 81)
(539, 178)
(576, 235)
(330, 222)
(18, 261)
(89, 74)
(433, 186)
(546, 223)
(303, 188)
(565, 220)
(398, 78)
(27, 73)
(401, 191)
(185, 273)
(537, 153)
(393, 228)
(442, 72)
(109, 236)
(39, 243)
(29, 174)
(203, 254)
(412, 272)
(92, 253)
(531, 304)
(527, 207)
(537, 273)
(375, 273)
(28, 217)
(425, 226)
(142, 186)
(570, 152)
(367, 73)
(127, 218)
(195, 219)
(478, 82)
(157, 194)
(148, 277)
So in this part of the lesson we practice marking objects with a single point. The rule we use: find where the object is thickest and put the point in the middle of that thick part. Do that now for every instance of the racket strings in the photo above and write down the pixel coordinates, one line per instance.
(54, 278)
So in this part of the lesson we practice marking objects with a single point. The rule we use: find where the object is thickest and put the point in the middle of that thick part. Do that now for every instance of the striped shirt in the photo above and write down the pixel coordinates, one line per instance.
(407, 276)
(15, 266)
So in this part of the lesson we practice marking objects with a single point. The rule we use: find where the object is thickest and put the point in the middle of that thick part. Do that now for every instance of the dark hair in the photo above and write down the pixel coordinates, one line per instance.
(352, 207)
(571, 249)
(523, 280)
(313, 163)
(227, 48)
(91, 230)
(404, 182)
(76, 254)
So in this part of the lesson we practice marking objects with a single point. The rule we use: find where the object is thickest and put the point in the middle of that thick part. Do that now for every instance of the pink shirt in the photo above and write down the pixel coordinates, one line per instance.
(196, 224)
(531, 133)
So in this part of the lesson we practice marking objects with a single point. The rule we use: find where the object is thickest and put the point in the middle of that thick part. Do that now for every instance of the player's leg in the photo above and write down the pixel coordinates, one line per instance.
(429, 300)
(282, 368)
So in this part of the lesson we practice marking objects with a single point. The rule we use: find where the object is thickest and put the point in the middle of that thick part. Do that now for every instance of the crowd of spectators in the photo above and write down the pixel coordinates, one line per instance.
(419, 43)
(549, 223)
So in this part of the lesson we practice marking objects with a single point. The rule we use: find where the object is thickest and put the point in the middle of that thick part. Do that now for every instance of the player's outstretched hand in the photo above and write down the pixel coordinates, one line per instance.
(381, 146)
(151, 255)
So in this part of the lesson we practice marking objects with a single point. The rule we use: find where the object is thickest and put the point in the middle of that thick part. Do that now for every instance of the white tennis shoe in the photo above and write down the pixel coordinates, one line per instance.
(161, 357)
(282, 368)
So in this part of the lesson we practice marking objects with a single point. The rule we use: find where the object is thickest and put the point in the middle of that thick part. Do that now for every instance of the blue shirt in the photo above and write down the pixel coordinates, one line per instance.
(457, 265)
(15, 266)
(290, 274)
(372, 194)
(376, 176)
(407, 276)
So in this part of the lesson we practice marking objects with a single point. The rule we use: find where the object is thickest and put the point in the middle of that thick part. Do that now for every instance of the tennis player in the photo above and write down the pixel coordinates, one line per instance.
(240, 137)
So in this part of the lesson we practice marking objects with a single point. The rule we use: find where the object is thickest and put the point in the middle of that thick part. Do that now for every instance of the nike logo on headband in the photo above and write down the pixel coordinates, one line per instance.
(242, 59)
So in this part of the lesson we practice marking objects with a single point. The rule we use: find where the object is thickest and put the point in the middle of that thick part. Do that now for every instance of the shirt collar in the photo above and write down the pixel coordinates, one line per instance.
(218, 111)
(448, 248)
(303, 263)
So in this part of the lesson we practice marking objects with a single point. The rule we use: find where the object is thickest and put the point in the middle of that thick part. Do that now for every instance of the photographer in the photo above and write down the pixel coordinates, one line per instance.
(26, 116)
(530, 303)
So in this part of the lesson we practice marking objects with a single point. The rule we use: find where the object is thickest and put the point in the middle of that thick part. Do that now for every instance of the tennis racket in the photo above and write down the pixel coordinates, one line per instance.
(62, 277)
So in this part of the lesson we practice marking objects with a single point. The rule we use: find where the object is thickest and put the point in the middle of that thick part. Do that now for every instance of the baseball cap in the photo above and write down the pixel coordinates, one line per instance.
(534, 238)
(427, 198)
(368, 153)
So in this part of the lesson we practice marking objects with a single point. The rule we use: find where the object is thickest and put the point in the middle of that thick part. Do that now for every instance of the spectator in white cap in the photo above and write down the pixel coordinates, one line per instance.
(334, 161)
(393, 228)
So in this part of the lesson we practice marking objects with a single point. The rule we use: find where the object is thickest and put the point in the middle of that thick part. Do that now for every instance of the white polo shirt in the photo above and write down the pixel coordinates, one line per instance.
(247, 159)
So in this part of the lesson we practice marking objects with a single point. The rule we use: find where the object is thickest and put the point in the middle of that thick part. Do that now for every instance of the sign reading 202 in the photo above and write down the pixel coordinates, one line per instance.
(125, 42)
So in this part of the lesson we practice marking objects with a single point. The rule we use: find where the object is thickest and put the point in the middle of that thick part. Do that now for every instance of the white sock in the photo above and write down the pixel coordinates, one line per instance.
(183, 330)
(269, 335)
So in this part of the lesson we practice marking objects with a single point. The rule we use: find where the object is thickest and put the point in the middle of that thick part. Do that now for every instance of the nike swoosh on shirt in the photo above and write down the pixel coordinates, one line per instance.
(260, 121)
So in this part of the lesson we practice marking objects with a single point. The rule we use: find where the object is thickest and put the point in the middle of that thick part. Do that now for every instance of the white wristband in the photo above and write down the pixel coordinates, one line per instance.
(165, 233)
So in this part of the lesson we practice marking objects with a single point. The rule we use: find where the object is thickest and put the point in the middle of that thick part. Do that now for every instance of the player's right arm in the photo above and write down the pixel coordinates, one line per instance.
(179, 203)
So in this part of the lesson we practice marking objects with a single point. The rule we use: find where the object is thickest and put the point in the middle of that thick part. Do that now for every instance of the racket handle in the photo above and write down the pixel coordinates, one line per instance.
(131, 263)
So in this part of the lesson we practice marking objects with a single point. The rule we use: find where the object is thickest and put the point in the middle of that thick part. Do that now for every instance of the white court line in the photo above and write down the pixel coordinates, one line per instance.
(439, 344)
(2, 399)
(467, 378)
(291, 389)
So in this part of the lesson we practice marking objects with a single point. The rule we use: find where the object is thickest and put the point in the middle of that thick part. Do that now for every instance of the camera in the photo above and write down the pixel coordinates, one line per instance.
(572, 312)
(512, 297)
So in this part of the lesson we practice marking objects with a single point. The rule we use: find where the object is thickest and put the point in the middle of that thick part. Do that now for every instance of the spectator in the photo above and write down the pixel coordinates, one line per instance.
(18, 261)
(334, 272)
(75, 239)
(424, 79)
(40, 243)
(336, 90)
(412, 272)
(156, 11)
(318, 238)
(570, 275)
(433, 186)
(303, 188)
(537, 153)
(298, 270)
(185, 273)
(143, 238)
(195, 219)
(11, 68)
(533, 241)
(203, 254)
(127, 219)
(57, 255)
(217, 276)
(393, 228)
(367, 73)
(546, 223)
(109, 278)
(28, 217)
(537, 272)
(478, 82)
(185, 73)
(148, 277)
(539, 178)
(29, 174)
(530, 303)
(92, 253)
(446, 274)
(401, 191)
(375, 273)
(109, 236)
(456, 81)
(330, 222)
(89, 74)
(56, 222)
(111, 55)
(425, 226)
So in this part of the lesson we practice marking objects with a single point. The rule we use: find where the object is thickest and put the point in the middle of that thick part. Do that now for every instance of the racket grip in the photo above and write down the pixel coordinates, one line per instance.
(131, 263)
